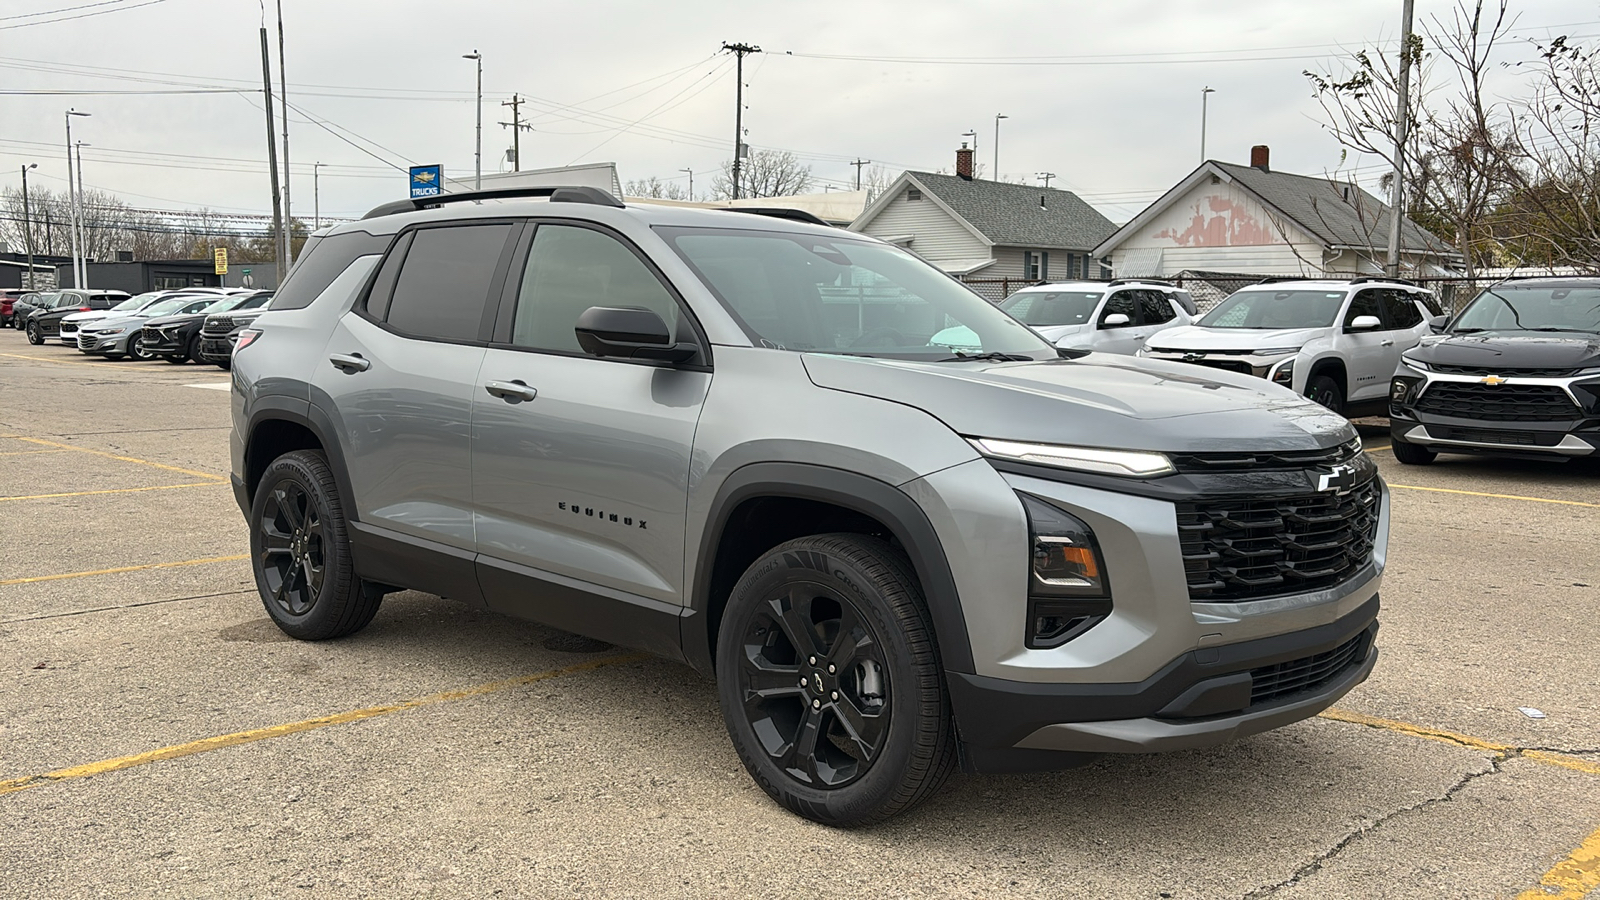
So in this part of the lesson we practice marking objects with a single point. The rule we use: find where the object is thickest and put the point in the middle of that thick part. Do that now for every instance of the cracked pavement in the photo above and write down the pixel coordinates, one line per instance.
(620, 782)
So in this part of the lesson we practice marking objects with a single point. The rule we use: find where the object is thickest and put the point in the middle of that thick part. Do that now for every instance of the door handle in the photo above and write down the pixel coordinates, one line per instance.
(1387, 343)
(512, 391)
(350, 363)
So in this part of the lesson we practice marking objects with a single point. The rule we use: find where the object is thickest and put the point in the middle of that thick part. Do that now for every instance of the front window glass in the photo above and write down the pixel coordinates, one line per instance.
(1043, 309)
(804, 292)
(1542, 308)
(571, 269)
(1275, 309)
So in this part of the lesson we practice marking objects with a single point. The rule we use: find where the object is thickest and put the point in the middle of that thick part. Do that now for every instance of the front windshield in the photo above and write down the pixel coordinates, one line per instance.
(804, 292)
(1275, 309)
(1532, 308)
(255, 301)
(168, 305)
(136, 302)
(1042, 309)
(46, 300)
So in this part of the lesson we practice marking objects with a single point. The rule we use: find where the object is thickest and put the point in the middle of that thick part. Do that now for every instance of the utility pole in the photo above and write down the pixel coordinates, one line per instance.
(272, 156)
(516, 130)
(1402, 124)
(858, 163)
(1203, 92)
(739, 52)
(690, 172)
(1045, 177)
(477, 57)
(287, 235)
(316, 198)
(996, 173)
(72, 204)
(83, 207)
(27, 224)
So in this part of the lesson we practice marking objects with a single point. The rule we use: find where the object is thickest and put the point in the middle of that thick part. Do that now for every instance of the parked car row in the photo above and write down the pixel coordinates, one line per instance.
(171, 325)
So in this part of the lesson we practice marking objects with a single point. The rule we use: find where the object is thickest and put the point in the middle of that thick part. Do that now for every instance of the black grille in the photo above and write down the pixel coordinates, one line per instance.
(1497, 436)
(1501, 402)
(152, 334)
(1245, 461)
(1243, 549)
(1297, 676)
(218, 327)
(1504, 373)
(1232, 365)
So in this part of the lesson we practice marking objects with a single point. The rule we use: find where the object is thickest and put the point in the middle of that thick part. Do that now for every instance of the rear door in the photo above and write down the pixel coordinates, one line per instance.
(1125, 338)
(398, 378)
(1406, 320)
(1156, 312)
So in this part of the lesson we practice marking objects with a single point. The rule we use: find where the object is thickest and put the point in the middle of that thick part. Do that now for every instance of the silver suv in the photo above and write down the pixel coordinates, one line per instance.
(726, 437)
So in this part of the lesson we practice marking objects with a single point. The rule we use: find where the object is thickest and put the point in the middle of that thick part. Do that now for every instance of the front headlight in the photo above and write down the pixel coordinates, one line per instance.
(1123, 463)
(1415, 364)
(1066, 580)
(106, 331)
(1277, 351)
(1284, 373)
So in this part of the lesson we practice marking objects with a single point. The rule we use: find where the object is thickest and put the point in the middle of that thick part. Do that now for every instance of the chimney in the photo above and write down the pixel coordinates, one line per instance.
(964, 162)
(1259, 156)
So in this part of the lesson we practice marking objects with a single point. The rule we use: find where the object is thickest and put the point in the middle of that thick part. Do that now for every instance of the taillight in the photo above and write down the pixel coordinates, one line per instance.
(246, 338)
(85, 309)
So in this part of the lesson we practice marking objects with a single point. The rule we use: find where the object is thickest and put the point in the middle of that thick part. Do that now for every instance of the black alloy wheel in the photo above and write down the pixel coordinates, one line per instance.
(299, 543)
(35, 337)
(1325, 391)
(829, 681)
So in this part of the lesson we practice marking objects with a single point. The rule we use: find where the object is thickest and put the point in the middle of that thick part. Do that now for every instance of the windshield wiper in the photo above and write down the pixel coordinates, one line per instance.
(1467, 330)
(1553, 328)
(994, 356)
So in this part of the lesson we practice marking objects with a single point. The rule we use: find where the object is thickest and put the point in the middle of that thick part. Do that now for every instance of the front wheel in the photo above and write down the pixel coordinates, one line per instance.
(300, 549)
(136, 349)
(1411, 454)
(35, 337)
(1326, 391)
(829, 681)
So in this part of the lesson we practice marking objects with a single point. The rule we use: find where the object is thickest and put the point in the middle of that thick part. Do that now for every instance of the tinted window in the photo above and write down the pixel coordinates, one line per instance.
(571, 269)
(1402, 312)
(321, 262)
(383, 284)
(444, 282)
(1046, 308)
(1121, 302)
(1507, 307)
(1155, 307)
(1367, 303)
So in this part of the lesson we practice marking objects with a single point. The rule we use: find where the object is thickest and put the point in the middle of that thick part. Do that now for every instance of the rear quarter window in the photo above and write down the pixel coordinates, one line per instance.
(321, 262)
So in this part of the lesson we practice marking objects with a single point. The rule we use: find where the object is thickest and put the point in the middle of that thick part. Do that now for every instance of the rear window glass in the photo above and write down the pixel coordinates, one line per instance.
(321, 262)
(443, 290)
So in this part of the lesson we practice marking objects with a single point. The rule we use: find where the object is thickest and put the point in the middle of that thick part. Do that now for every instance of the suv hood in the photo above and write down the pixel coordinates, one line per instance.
(160, 321)
(1100, 400)
(1512, 350)
(121, 320)
(1194, 337)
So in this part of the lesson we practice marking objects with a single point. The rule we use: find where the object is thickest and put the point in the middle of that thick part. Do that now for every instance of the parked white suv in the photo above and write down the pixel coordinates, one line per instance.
(1335, 341)
(1114, 317)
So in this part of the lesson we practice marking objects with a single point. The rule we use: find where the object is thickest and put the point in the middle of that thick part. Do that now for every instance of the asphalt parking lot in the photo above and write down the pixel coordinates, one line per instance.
(159, 736)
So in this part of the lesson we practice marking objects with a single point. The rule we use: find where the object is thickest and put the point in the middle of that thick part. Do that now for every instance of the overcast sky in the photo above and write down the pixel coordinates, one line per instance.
(1115, 112)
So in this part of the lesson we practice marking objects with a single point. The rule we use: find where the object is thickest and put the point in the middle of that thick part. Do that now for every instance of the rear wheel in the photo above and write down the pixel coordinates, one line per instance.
(34, 336)
(1411, 454)
(1326, 391)
(830, 683)
(300, 548)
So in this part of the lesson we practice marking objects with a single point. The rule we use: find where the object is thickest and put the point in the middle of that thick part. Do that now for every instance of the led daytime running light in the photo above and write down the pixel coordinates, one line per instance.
(1123, 463)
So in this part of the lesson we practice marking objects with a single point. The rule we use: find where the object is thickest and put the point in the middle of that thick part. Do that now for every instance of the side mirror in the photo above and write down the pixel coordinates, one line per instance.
(629, 333)
(1437, 324)
(1365, 323)
(1115, 320)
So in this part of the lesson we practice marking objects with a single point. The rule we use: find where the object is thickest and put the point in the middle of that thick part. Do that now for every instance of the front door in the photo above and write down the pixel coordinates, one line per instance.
(1368, 353)
(580, 464)
(1124, 338)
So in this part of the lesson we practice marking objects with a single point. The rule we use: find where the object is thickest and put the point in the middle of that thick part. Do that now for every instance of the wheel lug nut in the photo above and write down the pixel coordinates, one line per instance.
(816, 704)
(802, 682)
(812, 660)
(831, 669)
(834, 695)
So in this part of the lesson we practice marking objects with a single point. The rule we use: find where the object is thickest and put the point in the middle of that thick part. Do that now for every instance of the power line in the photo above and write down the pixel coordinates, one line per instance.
(86, 15)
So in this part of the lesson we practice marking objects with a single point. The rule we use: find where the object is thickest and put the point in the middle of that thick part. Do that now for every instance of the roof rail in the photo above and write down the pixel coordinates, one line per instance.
(793, 215)
(572, 194)
(1366, 278)
(1117, 281)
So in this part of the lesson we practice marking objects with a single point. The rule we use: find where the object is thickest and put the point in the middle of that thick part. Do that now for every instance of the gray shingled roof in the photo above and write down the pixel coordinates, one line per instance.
(1319, 205)
(1010, 214)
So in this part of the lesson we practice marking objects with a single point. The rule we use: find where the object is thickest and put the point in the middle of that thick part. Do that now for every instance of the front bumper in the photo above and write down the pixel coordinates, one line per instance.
(1572, 429)
(165, 343)
(216, 348)
(90, 342)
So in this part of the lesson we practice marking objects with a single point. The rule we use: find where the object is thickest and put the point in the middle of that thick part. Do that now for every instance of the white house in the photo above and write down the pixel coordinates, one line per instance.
(1226, 217)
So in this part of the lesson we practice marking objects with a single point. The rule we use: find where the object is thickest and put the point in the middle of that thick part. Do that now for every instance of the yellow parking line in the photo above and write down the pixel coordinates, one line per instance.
(1413, 487)
(59, 362)
(1376, 449)
(158, 487)
(132, 459)
(119, 569)
(29, 452)
(206, 745)
(1547, 757)
(1572, 878)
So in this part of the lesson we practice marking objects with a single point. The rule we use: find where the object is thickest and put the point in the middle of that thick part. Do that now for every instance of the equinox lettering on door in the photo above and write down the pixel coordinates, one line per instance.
(579, 509)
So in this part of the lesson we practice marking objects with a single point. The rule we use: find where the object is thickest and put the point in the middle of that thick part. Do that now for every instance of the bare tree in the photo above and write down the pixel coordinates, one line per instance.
(767, 173)
(875, 180)
(656, 188)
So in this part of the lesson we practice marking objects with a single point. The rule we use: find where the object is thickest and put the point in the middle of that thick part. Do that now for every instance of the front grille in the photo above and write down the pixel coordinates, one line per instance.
(218, 327)
(152, 334)
(68, 328)
(1247, 461)
(1503, 402)
(1244, 549)
(1285, 679)
(87, 342)
(1497, 436)
(1504, 373)
(1231, 365)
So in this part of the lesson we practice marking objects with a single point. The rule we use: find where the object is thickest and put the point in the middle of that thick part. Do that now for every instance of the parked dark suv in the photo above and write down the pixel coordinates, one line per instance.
(1517, 373)
(177, 338)
(221, 331)
(688, 431)
(44, 324)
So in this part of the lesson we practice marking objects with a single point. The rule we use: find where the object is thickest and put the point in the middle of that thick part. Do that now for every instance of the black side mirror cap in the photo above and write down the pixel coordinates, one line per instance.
(629, 332)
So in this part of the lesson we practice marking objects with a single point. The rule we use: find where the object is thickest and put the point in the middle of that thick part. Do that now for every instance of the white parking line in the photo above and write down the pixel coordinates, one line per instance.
(226, 386)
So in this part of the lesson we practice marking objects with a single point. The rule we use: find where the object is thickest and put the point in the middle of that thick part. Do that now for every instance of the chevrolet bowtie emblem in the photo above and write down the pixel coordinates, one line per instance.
(1494, 380)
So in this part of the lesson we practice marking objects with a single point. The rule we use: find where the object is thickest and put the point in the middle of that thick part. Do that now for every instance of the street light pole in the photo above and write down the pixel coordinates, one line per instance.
(27, 224)
(72, 203)
(997, 118)
(316, 197)
(1203, 92)
(77, 151)
(1402, 123)
(478, 154)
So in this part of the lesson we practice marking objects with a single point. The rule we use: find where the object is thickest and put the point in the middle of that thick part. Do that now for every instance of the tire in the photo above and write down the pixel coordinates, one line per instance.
(194, 351)
(176, 359)
(1411, 454)
(777, 621)
(136, 348)
(34, 337)
(300, 552)
(223, 364)
(1326, 391)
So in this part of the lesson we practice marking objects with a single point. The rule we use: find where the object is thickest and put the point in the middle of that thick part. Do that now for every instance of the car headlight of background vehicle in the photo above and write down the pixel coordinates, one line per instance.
(1124, 463)
(1414, 364)
(1067, 588)
(1283, 373)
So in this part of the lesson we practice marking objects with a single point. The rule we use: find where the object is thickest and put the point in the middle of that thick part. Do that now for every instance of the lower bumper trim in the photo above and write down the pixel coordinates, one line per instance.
(1570, 445)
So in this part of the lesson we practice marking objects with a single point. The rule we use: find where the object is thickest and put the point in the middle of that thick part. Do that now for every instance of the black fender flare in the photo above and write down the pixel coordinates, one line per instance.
(281, 408)
(858, 493)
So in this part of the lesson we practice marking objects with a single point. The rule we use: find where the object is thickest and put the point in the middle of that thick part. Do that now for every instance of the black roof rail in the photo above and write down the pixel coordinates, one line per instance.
(1116, 281)
(793, 215)
(1366, 278)
(571, 194)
